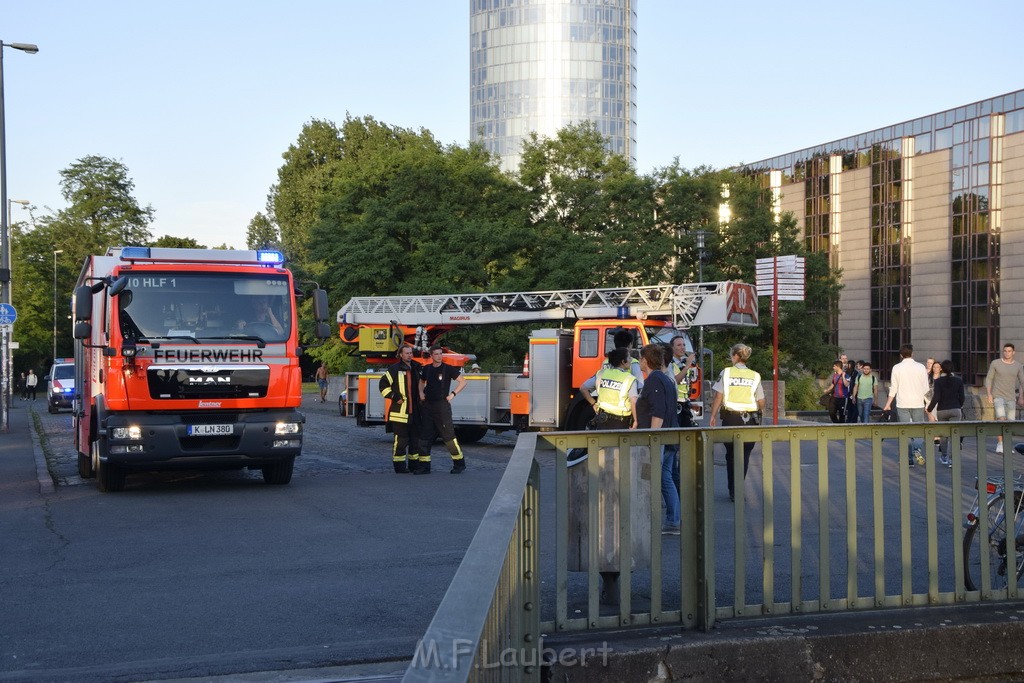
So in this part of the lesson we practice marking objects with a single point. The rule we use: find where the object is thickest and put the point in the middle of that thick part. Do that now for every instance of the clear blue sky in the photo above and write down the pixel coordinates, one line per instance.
(200, 99)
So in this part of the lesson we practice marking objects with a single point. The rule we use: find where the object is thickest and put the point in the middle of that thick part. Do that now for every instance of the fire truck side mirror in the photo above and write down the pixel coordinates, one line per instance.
(118, 285)
(83, 305)
(320, 312)
(323, 331)
(82, 330)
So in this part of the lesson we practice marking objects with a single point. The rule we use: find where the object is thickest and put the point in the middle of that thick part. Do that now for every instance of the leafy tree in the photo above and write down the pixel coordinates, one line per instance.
(102, 210)
(592, 215)
(262, 233)
(170, 241)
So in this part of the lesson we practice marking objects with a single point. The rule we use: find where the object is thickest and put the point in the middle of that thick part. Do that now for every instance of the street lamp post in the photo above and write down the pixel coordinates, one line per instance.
(55, 252)
(5, 247)
(10, 222)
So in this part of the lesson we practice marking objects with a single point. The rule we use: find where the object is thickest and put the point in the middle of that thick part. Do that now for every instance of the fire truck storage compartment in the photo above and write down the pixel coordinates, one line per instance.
(550, 361)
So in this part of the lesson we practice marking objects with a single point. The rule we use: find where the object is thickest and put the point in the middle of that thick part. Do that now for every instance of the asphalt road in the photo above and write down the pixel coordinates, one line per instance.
(199, 574)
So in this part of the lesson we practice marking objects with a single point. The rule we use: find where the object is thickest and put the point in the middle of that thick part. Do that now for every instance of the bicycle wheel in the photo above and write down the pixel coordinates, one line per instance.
(994, 547)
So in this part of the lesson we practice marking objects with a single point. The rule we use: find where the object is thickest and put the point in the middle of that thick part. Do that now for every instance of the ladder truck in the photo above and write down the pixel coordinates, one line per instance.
(546, 396)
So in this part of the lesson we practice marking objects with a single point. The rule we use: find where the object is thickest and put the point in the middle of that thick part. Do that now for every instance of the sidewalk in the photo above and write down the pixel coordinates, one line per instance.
(23, 473)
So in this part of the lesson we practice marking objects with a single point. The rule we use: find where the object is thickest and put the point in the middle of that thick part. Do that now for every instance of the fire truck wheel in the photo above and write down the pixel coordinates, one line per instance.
(579, 417)
(110, 478)
(467, 435)
(279, 473)
(85, 467)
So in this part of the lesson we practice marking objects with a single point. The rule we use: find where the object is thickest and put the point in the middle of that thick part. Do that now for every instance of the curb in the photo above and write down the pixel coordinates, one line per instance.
(42, 473)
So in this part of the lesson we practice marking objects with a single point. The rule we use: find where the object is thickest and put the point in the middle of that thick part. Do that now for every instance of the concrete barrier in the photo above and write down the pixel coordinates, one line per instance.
(976, 642)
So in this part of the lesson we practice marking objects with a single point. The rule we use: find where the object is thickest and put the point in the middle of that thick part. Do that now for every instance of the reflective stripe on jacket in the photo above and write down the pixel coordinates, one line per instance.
(682, 388)
(738, 387)
(395, 384)
(613, 391)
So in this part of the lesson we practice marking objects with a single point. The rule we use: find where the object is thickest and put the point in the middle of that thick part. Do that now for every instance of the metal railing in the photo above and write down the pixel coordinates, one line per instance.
(829, 518)
(488, 624)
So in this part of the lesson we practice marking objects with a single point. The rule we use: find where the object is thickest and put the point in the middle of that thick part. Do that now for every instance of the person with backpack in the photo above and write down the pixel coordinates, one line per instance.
(864, 391)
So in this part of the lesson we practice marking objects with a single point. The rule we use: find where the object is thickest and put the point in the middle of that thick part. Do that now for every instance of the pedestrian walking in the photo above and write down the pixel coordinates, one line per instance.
(948, 396)
(908, 385)
(740, 396)
(838, 391)
(437, 394)
(852, 371)
(21, 386)
(31, 383)
(321, 381)
(400, 385)
(656, 409)
(1004, 380)
(864, 391)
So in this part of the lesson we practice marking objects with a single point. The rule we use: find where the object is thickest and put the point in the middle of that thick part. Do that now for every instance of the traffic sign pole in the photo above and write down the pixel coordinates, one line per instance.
(8, 314)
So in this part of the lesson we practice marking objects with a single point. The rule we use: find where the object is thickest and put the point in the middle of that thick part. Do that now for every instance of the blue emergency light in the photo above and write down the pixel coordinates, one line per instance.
(270, 257)
(128, 253)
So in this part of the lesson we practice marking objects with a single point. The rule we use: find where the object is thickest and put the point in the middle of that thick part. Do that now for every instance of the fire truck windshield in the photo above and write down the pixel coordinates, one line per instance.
(205, 306)
(665, 335)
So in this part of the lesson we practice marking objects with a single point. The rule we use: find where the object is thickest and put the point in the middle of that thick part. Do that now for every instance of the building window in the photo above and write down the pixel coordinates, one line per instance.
(890, 259)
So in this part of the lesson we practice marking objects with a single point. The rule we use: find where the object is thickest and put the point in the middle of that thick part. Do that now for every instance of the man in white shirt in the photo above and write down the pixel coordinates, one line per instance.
(908, 385)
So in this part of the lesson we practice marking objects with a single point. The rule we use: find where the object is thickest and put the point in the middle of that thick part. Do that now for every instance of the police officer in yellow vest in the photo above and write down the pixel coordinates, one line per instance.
(682, 370)
(740, 396)
(616, 393)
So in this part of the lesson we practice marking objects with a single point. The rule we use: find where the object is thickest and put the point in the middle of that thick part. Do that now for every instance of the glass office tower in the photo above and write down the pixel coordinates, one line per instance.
(538, 65)
(926, 220)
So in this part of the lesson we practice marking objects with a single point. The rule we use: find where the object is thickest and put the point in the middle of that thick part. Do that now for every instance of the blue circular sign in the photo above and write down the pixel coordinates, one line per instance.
(8, 314)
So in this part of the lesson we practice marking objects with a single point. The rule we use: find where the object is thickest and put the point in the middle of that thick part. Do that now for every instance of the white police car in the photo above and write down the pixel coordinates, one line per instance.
(60, 385)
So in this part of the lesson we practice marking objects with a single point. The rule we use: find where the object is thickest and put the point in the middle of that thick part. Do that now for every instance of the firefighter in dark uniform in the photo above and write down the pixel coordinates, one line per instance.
(740, 395)
(437, 394)
(400, 384)
(616, 393)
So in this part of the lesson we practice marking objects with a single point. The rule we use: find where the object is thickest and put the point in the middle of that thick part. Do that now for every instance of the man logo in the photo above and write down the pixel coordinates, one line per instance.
(209, 380)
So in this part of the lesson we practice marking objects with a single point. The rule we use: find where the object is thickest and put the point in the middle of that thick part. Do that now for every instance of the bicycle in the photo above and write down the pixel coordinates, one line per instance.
(995, 545)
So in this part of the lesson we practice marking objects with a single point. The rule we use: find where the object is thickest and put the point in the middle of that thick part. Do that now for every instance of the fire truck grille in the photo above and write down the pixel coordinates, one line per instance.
(221, 382)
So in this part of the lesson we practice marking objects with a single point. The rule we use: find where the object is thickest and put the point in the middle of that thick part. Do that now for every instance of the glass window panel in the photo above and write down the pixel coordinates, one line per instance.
(980, 151)
(959, 155)
(1015, 121)
(980, 175)
(944, 138)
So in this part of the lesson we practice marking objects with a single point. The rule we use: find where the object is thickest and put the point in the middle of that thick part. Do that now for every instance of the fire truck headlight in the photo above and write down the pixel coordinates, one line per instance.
(286, 428)
(134, 432)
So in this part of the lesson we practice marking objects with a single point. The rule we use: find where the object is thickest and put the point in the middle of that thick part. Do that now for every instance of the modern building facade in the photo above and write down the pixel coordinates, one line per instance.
(926, 220)
(539, 65)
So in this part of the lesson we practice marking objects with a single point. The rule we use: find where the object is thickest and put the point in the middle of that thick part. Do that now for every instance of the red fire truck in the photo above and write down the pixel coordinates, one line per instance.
(188, 358)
